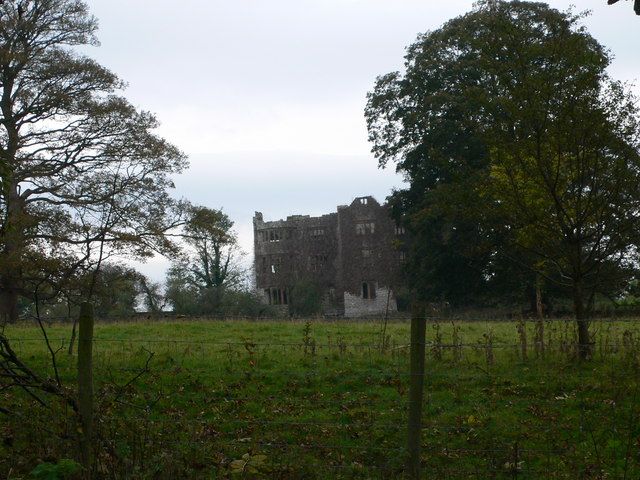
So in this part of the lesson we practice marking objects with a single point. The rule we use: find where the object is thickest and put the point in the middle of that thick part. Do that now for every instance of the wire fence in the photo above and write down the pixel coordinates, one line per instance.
(328, 400)
(615, 313)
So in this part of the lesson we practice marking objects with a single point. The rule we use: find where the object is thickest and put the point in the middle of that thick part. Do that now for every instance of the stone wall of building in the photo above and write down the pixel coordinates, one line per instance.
(353, 255)
(383, 303)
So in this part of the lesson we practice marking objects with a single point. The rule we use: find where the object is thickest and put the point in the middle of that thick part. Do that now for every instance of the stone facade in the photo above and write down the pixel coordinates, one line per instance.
(354, 255)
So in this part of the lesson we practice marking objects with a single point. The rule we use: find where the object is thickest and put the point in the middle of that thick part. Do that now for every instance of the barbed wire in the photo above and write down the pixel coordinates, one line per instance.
(377, 347)
(629, 315)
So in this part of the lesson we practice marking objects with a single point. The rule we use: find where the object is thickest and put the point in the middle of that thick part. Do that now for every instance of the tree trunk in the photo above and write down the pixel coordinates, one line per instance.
(539, 334)
(582, 319)
(10, 257)
(8, 302)
(539, 304)
(73, 337)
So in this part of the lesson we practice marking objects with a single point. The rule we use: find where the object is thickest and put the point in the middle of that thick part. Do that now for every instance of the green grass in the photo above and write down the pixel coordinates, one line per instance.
(330, 401)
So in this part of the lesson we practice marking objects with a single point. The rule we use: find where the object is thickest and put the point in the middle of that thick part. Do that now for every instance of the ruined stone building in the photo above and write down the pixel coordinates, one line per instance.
(354, 255)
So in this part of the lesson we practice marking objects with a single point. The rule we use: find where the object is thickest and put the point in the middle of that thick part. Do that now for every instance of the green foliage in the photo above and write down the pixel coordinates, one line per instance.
(308, 342)
(522, 156)
(249, 464)
(186, 298)
(116, 290)
(62, 470)
(206, 278)
(631, 294)
(403, 298)
(305, 299)
(244, 303)
(213, 248)
(180, 292)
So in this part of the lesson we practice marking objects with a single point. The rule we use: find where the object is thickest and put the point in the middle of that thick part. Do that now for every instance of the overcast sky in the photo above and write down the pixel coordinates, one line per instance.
(267, 96)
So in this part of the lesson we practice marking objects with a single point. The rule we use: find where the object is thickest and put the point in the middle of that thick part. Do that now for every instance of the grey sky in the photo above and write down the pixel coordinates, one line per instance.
(267, 96)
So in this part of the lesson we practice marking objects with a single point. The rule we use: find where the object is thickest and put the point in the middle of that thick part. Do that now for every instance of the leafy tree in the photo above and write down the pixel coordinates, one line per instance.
(636, 5)
(506, 121)
(215, 247)
(187, 298)
(80, 169)
(116, 291)
(152, 296)
(181, 293)
(422, 121)
(244, 302)
(305, 299)
(82, 175)
(208, 265)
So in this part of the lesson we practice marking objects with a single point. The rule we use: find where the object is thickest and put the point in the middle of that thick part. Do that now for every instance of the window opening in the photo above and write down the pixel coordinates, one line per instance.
(318, 262)
(277, 296)
(276, 265)
(368, 290)
(365, 228)
(274, 236)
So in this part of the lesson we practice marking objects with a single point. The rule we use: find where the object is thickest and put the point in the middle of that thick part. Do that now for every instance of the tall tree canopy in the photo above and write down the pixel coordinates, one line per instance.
(208, 267)
(520, 152)
(81, 172)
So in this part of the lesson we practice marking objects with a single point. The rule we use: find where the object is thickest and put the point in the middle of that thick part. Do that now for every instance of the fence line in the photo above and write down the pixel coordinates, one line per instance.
(368, 432)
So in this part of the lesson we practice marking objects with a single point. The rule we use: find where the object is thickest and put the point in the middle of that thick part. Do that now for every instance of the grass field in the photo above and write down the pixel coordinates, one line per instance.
(291, 399)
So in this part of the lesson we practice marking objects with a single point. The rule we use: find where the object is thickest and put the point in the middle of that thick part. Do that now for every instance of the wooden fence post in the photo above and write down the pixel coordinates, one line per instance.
(85, 386)
(416, 388)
